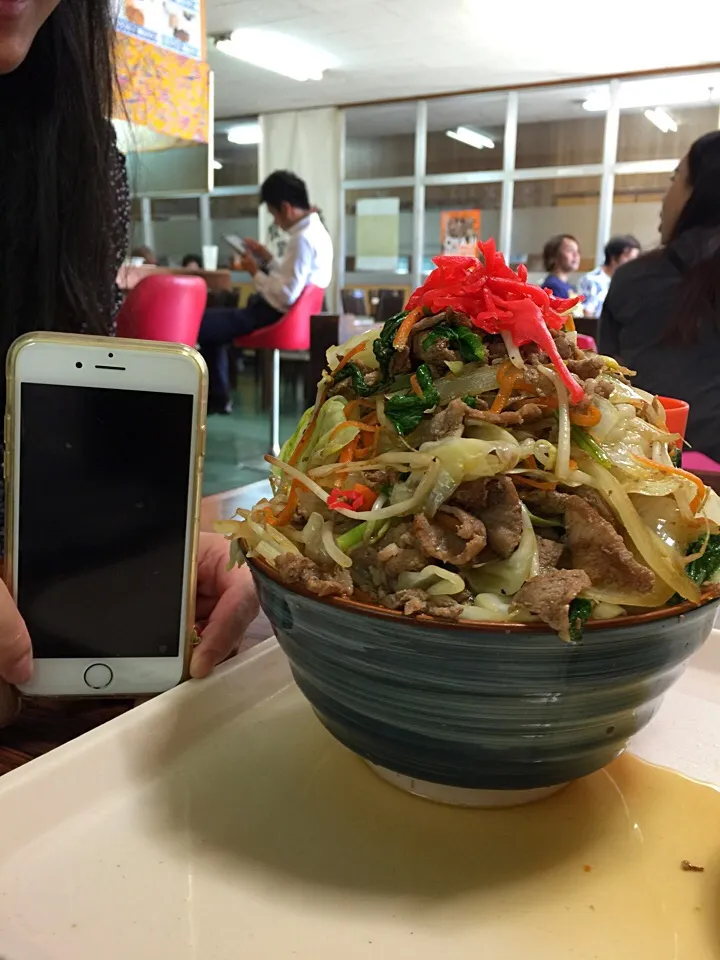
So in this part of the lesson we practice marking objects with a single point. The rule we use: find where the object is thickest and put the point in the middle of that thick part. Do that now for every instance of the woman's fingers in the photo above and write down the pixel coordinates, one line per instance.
(15, 647)
(235, 610)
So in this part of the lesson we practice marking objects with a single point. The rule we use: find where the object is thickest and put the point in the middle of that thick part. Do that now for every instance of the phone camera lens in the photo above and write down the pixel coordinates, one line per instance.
(78, 364)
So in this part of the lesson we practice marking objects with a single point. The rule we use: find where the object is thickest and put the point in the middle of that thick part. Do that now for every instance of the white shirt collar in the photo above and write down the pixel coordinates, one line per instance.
(302, 224)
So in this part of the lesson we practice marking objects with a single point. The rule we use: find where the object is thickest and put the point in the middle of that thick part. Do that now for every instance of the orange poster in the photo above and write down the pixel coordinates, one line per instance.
(460, 232)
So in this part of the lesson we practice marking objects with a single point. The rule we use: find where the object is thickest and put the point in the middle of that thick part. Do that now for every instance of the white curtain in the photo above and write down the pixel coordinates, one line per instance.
(309, 143)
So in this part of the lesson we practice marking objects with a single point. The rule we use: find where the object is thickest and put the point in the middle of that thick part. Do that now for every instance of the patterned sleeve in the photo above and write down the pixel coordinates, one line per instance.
(121, 224)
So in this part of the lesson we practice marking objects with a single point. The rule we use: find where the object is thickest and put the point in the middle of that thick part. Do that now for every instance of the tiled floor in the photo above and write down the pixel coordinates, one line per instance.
(237, 443)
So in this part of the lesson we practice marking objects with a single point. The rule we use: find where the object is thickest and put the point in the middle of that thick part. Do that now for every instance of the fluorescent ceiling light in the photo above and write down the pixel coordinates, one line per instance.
(471, 137)
(245, 134)
(662, 120)
(672, 91)
(277, 52)
(217, 165)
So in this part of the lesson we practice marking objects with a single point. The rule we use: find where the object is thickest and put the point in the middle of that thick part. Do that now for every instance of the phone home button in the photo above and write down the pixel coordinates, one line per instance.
(98, 676)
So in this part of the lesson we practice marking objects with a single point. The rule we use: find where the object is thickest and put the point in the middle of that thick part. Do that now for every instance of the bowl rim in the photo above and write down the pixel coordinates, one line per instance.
(483, 626)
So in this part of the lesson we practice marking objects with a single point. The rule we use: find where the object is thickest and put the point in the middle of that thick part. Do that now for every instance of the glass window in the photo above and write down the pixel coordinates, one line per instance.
(380, 141)
(640, 139)
(379, 235)
(555, 130)
(233, 215)
(452, 214)
(466, 133)
(238, 162)
(636, 206)
(176, 228)
(543, 208)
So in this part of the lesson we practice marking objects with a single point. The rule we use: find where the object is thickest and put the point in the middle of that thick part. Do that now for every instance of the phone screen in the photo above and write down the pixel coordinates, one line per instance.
(236, 243)
(104, 482)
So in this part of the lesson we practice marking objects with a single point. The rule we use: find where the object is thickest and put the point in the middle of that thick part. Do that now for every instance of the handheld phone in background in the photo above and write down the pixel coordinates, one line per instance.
(236, 243)
(104, 451)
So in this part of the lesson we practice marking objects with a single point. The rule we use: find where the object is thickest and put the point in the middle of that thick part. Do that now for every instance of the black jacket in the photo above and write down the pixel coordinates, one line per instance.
(640, 305)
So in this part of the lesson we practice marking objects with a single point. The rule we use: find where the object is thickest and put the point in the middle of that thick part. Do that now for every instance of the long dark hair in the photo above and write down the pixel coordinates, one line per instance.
(699, 302)
(56, 194)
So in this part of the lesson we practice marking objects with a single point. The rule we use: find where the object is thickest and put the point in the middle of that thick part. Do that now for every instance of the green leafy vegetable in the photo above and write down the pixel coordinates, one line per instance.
(383, 346)
(546, 521)
(470, 401)
(580, 610)
(352, 537)
(706, 566)
(469, 344)
(582, 439)
(676, 457)
(384, 352)
(405, 411)
(354, 373)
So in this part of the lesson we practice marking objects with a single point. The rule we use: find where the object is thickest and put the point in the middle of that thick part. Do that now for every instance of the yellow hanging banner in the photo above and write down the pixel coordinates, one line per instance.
(163, 91)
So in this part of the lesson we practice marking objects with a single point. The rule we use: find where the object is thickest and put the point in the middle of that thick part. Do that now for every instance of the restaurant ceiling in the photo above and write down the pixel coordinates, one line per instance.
(403, 48)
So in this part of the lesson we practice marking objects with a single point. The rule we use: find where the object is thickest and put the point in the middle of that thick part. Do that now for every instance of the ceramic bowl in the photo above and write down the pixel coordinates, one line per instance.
(447, 708)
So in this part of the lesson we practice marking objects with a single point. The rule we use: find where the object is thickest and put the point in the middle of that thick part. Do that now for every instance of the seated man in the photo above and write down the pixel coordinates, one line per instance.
(278, 283)
(595, 285)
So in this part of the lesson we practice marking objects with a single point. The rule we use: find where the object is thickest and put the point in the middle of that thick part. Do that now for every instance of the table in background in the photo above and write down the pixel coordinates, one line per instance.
(45, 724)
(217, 280)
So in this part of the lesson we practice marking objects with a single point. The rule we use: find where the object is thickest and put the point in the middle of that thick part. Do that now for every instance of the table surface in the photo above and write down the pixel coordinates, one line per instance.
(45, 724)
(217, 280)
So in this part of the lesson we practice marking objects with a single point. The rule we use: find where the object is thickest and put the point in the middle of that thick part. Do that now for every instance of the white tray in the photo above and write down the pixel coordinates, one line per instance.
(221, 821)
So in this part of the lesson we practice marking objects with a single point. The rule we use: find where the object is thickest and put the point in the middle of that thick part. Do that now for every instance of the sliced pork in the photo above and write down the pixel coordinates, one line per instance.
(549, 596)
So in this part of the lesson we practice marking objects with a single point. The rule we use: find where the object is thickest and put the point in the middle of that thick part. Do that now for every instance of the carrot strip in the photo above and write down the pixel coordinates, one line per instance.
(286, 514)
(699, 497)
(588, 419)
(305, 439)
(358, 424)
(351, 413)
(416, 388)
(403, 332)
(507, 376)
(531, 462)
(572, 464)
(537, 484)
(348, 357)
(347, 454)
(570, 323)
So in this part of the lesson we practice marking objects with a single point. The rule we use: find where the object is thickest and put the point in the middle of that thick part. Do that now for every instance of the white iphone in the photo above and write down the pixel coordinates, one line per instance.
(103, 465)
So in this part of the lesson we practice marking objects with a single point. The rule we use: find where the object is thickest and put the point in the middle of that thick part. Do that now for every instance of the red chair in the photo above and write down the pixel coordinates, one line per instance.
(292, 332)
(164, 307)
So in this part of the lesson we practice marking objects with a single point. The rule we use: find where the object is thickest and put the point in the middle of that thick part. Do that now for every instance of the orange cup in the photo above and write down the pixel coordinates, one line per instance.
(676, 414)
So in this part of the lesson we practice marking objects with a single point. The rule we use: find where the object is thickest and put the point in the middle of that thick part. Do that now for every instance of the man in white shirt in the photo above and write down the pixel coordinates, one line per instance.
(278, 283)
(595, 285)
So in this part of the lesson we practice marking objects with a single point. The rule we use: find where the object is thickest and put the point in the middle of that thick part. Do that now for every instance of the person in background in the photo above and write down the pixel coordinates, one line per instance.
(191, 261)
(595, 285)
(561, 256)
(662, 314)
(307, 259)
(65, 210)
(145, 254)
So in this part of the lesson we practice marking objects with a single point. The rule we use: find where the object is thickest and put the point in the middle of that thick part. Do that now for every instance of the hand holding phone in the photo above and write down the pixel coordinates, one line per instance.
(235, 243)
(105, 443)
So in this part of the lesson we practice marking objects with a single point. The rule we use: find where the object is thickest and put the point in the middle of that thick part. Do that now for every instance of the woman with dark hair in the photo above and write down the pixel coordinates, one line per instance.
(561, 257)
(64, 210)
(662, 312)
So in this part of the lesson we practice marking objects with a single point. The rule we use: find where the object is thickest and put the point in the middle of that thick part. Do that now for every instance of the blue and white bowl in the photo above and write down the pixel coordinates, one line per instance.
(478, 713)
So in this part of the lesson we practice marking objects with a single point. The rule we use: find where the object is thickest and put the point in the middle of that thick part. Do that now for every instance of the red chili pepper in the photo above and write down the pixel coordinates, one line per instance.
(564, 306)
(498, 301)
(359, 498)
